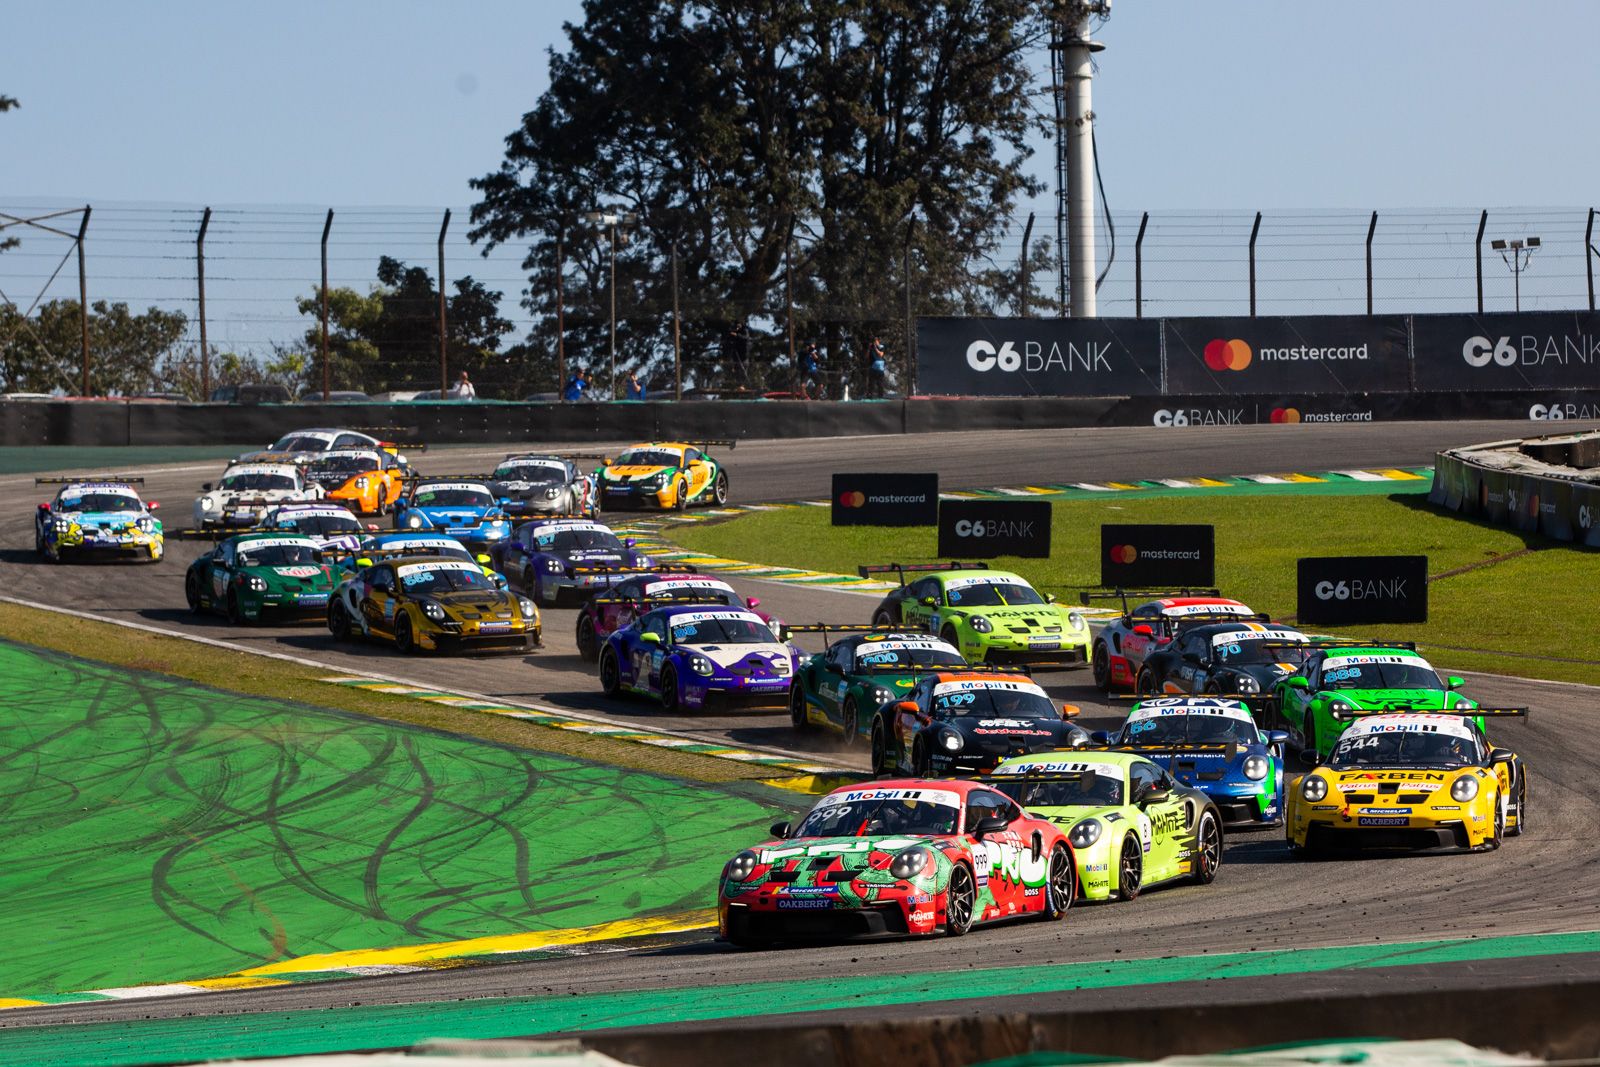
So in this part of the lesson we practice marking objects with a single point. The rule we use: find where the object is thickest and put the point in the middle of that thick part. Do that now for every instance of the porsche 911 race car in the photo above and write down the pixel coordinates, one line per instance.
(97, 516)
(331, 526)
(1130, 825)
(672, 474)
(897, 857)
(1411, 780)
(1223, 657)
(842, 688)
(965, 721)
(529, 484)
(1123, 643)
(1214, 745)
(1343, 676)
(366, 480)
(302, 446)
(634, 594)
(417, 544)
(247, 490)
(561, 559)
(460, 505)
(432, 603)
(990, 616)
(254, 577)
(696, 657)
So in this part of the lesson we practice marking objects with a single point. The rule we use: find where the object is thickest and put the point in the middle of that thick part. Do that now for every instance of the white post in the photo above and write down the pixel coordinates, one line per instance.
(1078, 129)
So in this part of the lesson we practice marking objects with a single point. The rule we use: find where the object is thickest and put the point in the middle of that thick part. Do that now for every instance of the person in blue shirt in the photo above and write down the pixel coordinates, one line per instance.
(634, 387)
(575, 387)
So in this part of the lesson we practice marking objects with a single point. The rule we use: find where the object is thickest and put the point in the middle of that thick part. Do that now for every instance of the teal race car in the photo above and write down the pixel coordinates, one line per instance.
(1131, 825)
(990, 616)
(1343, 676)
(842, 688)
(98, 517)
(258, 576)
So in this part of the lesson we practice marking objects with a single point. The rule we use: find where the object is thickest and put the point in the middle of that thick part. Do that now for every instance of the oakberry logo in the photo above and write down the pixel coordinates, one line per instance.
(852, 500)
(1227, 355)
(1124, 554)
(1285, 415)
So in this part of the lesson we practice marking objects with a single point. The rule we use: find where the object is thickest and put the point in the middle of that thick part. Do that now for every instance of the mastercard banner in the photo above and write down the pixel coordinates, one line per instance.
(885, 499)
(1307, 354)
(1157, 555)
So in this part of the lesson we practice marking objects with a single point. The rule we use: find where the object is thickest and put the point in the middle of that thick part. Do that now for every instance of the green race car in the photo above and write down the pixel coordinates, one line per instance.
(257, 576)
(842, 688)
(1131, 825)
(989, 616)
(1340, 676)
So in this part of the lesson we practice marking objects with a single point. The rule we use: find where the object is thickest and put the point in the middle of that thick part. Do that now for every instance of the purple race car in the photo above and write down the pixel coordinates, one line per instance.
(700, 657)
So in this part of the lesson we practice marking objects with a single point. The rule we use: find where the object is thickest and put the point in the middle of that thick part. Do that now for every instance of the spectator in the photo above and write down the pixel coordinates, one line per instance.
(877, 370)
(810, 371)
(462, 390)
(575, 387)
(634, 387)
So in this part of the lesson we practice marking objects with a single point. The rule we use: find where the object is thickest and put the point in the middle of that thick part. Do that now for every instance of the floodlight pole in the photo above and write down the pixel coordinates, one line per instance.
(200, 282)
(83, 299)
(1077, 129)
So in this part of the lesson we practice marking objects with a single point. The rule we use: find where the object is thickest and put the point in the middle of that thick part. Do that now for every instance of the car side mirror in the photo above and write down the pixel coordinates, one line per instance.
(906, 707)
(1049, 598)
(153, 505)
(1455, 682)
(753, 602)
(1502, 755)
(930, 601)
(1192, 657)
(1100, 737)
(629, 542)
(785, 634)
(989, 824)
(484, 559)
(363, 561)
(1308, 758)
(205, 487)
(1069, 711)
(1144, 630)
(650, 638)
(1154, 795)
(781, 830)
(1277, 737)
(1297, 681)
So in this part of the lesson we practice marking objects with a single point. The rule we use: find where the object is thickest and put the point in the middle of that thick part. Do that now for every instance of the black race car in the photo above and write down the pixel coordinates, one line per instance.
(1223, 657)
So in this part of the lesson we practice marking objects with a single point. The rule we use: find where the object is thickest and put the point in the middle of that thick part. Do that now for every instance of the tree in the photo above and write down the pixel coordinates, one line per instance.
(838, 130)
(43, 353)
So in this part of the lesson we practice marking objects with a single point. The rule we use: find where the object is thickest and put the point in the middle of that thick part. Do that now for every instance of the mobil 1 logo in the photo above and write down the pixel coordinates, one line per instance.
(983, 529)
(1361, 590)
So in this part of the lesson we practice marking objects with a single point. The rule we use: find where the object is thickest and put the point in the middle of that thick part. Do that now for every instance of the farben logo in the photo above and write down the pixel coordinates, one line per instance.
(1035, 357)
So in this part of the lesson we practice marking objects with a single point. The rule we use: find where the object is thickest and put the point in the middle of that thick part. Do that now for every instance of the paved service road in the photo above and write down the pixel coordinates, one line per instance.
(1538, 883)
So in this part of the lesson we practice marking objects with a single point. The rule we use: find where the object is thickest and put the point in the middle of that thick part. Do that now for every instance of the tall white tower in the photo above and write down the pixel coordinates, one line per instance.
(1075, 114)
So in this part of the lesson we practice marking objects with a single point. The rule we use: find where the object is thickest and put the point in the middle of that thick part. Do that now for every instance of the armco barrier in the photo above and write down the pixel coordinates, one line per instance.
(1501, 484)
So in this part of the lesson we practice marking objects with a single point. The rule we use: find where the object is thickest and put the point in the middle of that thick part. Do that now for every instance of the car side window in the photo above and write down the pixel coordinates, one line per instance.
(382, 579)
(1005, 807)
(926, 587)
(1193, 645)
(656, 626)
(1141, 777)
(225, 554)
(348, 440)
(842, 657)
(691, 455)
(1314, 670)
(981, 804)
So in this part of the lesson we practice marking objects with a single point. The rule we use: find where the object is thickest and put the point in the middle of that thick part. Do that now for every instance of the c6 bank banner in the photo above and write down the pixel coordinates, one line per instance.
(1038, 357)
(1305, 354)
(1533, 350)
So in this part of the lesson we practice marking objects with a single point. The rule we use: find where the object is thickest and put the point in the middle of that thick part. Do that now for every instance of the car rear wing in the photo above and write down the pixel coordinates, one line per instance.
(95, 479)
(1314, 643)
(726, 442)
(1351, 714)
(571, 457)
(1119, 593)
(826, 628)
(903, 569)
(664, 599)
(597, 569)
(1210, 618)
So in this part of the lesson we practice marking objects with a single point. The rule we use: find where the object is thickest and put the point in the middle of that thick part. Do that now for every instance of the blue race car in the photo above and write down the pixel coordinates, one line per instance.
(698, 658)
(455, 504)
(1213, 744)
(560, 560)
(99, 516)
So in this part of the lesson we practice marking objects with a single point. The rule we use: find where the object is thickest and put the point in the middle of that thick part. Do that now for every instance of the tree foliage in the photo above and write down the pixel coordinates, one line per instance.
(44, 352)
(842, 132)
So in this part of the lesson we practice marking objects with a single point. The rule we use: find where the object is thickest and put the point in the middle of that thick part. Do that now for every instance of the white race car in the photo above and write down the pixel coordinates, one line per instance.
(247, 490)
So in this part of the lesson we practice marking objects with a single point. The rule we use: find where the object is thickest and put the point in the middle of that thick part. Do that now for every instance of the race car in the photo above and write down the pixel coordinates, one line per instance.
(1223, 657)
(329, 525)
(256, 576)
(1214, 745)
(635, 594)
(1412, 780)
(460, 505)
(896, 857)
(247, 490)
(366, 480)
(432, 603)
(302, 446)
(529, 484)
(965, 721)
(1342, 676)
(417, 544)
(694, 657)
(1130, 825)
(842, 688)
(672, 474)
(564, 559)
(97, 515)
(990, 616)
(1123, 643)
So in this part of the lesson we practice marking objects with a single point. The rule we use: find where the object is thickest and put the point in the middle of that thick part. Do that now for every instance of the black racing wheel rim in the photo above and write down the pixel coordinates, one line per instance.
(610, 673)
(1208, 848)
(586, 637)
(720, 489)
(1062, 880)
(1100, 665)
(669, 689)
(880, 750)
(797, 708)
(1130, 868)
(851, 720)
(961, 899)
(403, 638)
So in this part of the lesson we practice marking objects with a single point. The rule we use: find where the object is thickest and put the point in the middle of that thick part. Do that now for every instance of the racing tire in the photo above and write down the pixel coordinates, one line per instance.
(921, 763)
(797, 709)
(1309, 736)
(339, 622)
(882, 618)
(880, 749)
(1207, 849)
(1522, 809)
(949, 636)
(1130, 869)
(1145, 684)
(1100, 666)
(191, 593)
(669, 690)
(960, 901)
(1061, 883)
(680, 499)
(1498, 835)
(405, 642)
(235, 616)
(850, 716)
(38, 540)
(719, 489)
(530, 585)
(588, 646)
(610, 673)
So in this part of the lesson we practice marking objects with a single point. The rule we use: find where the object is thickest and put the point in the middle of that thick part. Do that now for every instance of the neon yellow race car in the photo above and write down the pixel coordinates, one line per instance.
(670, 475)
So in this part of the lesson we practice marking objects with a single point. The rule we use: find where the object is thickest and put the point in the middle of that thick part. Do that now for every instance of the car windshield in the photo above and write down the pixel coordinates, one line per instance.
(876, 817)
(433, 497)
(536, 473)
(258, 483)
(560, 541)
(1399, 674)
(101, 502)
(873, 657)
(344, 465)
(278, 555)
(992, 594)
(1405, 749)
(722, 631)
(420, 578)
(999, 703)
(1085, 789)
(322, 524)
(1189, 730)
(650, 457)
(1240, 653)
(301, 443)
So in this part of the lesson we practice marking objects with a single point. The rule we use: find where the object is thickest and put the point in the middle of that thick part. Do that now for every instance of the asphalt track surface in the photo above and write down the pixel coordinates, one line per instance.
(1540, 883)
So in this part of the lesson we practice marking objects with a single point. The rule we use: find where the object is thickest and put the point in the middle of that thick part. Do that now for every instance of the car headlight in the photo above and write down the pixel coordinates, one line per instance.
(980, 624)
(362, 483)
(1074, 620)
(255, 584)
(742, 866)
(1085, 833)
(1255, 768)
(1464, 788)
(1314, 788)
(1247, 684)
(208, 503)
(654, 481)
(1339, 710)
(553, 566)
(950, 740)
(144, 523)
(909, 863)
(701, 665)
(881, 696)
(528, 610)
(551, 493)
(414, 521)
(433, 611)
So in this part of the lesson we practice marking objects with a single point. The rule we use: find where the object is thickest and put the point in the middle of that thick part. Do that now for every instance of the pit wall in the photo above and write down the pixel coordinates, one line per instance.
(1563, 508)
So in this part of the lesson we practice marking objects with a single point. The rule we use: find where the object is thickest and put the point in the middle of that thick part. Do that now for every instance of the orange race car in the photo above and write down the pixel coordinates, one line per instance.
(366, 480)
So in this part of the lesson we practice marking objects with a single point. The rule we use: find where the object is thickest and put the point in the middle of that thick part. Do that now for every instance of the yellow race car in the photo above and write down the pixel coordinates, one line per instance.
(1406, 779)
(664, 475)
(433, 603)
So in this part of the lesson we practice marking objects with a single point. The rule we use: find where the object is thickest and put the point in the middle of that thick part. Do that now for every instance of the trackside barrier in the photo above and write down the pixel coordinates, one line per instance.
(1495, 484)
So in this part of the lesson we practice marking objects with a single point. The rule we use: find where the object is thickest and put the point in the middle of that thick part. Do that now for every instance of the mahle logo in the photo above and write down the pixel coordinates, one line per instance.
(1227, 355)
(1124, 554)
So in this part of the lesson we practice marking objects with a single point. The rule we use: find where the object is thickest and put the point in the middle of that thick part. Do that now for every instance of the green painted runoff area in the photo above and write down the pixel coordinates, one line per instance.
(390, 1026)
(161, 831)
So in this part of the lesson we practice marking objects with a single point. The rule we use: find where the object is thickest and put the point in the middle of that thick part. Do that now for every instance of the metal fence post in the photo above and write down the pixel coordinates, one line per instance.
(1138, 268)
(1588, 256)
(1372, 227)
(444, 369)
(327, 373)
(1483, 220)
(200, 279)
(1253, 231)
(1025, 281)
(561, 314)
(83, 299)
(788, 294)
(677, 334)
(911, 322)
